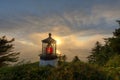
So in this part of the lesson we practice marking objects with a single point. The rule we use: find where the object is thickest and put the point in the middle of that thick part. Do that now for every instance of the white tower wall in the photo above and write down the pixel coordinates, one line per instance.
(48, 62)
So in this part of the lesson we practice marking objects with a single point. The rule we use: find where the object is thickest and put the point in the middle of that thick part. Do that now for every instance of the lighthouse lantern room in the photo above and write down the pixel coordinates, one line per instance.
(48, 56)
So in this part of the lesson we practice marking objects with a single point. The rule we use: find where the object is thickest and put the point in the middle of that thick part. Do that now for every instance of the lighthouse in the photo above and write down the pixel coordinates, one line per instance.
(48, 55)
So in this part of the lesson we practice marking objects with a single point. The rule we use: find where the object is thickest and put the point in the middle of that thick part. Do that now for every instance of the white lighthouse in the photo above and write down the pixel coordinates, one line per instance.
(48, 55)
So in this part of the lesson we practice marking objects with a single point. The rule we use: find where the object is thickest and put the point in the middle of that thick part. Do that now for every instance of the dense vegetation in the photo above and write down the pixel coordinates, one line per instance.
(66, 71)
(101, 54)
(108, 55)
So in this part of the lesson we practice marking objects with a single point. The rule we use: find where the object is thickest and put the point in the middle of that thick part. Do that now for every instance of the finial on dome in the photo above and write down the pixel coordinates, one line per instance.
(50, 34)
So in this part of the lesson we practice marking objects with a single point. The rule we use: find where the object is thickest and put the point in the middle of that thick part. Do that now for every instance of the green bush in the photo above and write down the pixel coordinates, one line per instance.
(114, 61)
(65, 71)
(113, 67)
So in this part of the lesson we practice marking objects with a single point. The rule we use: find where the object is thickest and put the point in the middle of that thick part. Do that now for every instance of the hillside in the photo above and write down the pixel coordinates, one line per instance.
(66, 71)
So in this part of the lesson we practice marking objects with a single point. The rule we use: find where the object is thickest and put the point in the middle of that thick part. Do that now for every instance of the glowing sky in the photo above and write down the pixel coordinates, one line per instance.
(77, 23)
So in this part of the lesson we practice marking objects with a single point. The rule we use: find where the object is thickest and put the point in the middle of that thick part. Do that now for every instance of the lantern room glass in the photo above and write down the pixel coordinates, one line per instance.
(49, 48)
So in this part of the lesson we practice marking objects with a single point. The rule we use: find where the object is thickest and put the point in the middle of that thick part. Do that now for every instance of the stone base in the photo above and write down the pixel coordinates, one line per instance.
(48, 62)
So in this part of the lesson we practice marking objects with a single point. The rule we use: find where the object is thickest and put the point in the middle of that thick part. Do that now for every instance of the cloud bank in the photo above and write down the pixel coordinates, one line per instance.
(78, 24)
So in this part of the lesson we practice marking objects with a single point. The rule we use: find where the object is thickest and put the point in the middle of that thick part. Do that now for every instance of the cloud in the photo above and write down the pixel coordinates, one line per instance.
(98, 20)
(28, 50)
(77, 26)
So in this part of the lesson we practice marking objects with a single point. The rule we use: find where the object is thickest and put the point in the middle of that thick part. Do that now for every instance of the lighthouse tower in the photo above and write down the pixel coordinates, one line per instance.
(48, 56)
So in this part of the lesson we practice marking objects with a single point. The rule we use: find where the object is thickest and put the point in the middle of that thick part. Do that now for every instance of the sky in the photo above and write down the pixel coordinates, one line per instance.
(76, 24)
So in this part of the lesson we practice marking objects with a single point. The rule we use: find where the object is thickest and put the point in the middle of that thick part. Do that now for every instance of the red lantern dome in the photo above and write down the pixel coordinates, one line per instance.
(49, 49)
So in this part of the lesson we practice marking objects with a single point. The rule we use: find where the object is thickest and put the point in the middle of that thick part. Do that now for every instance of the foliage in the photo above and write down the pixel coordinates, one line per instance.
(75, 59)
(108, 55)
(101, 54)
(95, 54)
(62, 59)
(113, 72)
(67, 71)
(112, 67)
(7, 53)
(114, 61)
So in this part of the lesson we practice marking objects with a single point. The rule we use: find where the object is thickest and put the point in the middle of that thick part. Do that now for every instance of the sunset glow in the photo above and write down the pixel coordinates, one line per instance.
(59, 41)
(58, 52)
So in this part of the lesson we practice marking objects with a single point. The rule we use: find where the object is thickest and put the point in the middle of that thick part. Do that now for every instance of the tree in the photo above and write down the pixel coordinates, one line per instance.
(75, 59)
(114, 42)
(64, 57)
(95, 53)
(101, 54)
(7, 53)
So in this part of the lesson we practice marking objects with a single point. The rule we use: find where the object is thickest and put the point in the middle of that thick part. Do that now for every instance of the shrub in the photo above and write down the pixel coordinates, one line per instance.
(67, 71)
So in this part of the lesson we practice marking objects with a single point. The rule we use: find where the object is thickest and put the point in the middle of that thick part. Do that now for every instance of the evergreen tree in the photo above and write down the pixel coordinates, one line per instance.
(114, 42)
(95, 53)
(75, 59)
(7, 53)
(105, 54)
(64, 57)
(101, 54)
